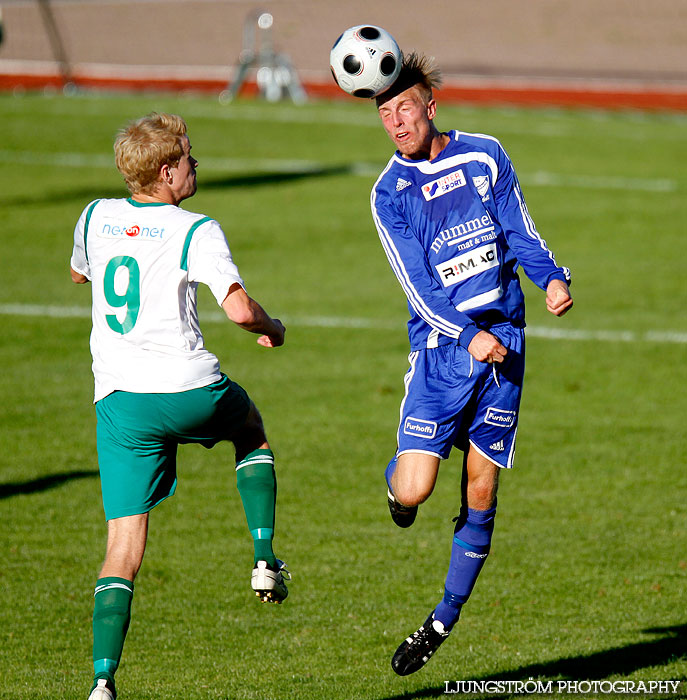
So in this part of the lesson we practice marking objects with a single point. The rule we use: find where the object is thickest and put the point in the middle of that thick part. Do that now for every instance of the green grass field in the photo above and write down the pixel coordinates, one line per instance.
(587, 579)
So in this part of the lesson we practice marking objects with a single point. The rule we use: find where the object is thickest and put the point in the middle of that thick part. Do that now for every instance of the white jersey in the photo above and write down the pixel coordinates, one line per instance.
(145, 262)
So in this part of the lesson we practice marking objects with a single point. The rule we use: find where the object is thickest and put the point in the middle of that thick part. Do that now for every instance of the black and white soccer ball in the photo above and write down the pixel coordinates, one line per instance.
(365, 61)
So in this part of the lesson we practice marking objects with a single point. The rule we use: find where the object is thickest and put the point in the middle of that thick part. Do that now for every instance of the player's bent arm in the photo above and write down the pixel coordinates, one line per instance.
(534, 256)
(246, 313)
(485, 347)
(77, 277)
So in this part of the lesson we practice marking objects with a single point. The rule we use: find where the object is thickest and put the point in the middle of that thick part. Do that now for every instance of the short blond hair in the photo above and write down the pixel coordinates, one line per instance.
(145, 145)
(417, 70)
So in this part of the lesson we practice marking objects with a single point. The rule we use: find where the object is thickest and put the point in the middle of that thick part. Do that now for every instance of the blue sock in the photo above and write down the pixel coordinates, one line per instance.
(471, 543)
(389, 472)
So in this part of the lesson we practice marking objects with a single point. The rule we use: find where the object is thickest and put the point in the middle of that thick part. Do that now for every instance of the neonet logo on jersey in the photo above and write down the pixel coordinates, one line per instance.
(115, 228)
(445, 184)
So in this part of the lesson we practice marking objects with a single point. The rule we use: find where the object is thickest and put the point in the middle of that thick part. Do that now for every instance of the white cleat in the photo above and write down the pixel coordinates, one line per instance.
(270, 585)
(102, 691)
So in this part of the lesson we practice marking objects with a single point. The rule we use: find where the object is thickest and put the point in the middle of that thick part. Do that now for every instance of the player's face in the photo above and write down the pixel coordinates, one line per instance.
(184, 174)
(407, 119)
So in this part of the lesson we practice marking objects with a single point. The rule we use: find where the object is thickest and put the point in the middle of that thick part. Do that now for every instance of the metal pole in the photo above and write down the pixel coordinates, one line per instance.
(58, 50)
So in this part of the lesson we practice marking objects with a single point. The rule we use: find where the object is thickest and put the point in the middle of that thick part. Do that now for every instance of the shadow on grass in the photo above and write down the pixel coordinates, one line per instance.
(45, 483)
(259, 179)
(670, 646)
(88, 194)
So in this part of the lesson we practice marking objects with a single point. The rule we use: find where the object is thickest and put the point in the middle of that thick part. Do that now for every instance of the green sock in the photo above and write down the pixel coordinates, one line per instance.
(257, 486)
(111, 617)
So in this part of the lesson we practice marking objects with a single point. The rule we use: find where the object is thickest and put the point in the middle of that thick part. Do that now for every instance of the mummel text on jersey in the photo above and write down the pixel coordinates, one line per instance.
(461, 218)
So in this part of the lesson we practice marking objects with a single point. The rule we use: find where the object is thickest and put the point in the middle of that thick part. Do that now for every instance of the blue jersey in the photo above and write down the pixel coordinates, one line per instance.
(455, 230)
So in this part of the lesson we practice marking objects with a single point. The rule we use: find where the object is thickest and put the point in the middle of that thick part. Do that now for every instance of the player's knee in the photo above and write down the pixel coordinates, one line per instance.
(414, 478)
(482, 494)
(412, 493)
(251, 436)
(126, 567)
(126, 544)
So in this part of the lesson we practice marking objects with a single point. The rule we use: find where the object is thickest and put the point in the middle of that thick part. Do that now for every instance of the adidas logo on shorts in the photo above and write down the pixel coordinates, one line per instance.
(497, 446)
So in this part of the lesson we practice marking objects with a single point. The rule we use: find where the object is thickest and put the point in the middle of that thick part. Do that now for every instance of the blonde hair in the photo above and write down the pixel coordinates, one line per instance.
(145, 145)
(417, 70)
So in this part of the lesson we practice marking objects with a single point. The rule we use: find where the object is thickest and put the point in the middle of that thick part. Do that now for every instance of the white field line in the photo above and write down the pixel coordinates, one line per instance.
(600, 182)
(276, 165)
(547, 333)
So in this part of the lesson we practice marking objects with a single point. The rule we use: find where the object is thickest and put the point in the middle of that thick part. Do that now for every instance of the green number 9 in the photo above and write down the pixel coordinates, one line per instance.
(131, 297)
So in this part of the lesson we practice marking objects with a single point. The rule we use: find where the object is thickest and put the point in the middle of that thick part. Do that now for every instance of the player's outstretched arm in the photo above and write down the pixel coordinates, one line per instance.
(558, 299)
(249, 315)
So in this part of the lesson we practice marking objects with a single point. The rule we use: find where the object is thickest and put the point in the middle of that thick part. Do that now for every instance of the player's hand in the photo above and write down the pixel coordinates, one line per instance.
(558, 299)
(77, 277)
(275, 339)
(485, 347)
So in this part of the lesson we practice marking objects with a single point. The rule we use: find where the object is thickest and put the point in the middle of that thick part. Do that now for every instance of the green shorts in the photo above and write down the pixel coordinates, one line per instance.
(138, 436)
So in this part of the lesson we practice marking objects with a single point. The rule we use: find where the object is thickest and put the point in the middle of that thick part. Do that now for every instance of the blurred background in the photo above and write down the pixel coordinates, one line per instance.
(580, 52)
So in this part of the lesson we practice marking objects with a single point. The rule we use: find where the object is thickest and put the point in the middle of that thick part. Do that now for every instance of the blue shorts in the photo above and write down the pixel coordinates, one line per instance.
(138, 434)
(451, 399)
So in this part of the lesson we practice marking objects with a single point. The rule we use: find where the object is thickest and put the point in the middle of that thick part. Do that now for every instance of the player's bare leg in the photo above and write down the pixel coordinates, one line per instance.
(415, 477)
(481, 480)
(251, 436)
(411, 478)
(126, 543)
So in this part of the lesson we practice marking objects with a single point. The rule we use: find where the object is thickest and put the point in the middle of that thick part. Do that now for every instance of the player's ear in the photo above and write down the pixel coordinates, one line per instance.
(431, 109)
(166, 174)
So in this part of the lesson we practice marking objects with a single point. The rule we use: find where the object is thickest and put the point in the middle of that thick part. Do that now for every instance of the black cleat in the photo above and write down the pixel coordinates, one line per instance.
(403, 516)
(417, 649)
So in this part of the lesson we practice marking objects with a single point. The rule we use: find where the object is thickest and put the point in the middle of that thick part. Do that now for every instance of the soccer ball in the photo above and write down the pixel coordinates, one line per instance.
(365, 61)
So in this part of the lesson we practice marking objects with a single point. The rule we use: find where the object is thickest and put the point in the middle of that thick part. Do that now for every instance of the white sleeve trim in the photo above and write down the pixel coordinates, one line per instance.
(417, 302)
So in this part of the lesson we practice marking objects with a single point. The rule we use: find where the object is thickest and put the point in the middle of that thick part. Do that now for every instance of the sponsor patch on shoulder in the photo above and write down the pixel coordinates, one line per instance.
(420, 428)
(497, 416)
(445, 184)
